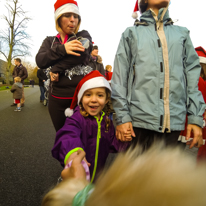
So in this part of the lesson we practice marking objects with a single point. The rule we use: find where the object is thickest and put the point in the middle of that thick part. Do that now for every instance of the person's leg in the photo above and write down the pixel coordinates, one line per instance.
(23, 97)
(56, 111)
(42, 93)
(18, 103)
(171, 139)
(143, 138)
(146, 138)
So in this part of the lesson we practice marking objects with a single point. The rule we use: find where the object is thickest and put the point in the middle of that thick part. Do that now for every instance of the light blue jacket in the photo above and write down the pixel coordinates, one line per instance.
(155, 77)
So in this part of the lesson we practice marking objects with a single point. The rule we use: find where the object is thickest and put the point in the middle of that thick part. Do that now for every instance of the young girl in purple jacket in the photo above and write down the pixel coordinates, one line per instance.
(88, 128)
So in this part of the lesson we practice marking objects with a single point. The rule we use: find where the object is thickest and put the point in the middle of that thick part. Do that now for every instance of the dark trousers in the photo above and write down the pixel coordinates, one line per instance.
(56, 110)
(42, 90)
(146, 138)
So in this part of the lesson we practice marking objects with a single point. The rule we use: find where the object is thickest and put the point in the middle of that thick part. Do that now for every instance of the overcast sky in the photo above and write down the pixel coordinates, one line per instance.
(106, 20)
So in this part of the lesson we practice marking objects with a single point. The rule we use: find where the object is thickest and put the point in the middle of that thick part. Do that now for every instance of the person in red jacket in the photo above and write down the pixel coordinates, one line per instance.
(202, 87)
(108, 73)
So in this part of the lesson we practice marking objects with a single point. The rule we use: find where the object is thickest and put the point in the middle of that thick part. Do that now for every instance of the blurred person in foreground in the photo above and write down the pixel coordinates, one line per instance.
(159, 176)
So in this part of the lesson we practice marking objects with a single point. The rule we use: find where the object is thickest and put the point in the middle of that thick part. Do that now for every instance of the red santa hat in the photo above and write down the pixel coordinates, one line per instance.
(202, 54)
(136, 9)
(92, 80)
(64, 6)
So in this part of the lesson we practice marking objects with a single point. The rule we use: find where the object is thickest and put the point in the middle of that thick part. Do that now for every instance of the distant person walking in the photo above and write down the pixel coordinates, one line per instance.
(42, 78)
(16, 89)
(95, 60)
(20, 71)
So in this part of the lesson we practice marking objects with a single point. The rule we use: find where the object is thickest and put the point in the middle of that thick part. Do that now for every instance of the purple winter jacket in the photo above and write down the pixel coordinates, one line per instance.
(81, 132)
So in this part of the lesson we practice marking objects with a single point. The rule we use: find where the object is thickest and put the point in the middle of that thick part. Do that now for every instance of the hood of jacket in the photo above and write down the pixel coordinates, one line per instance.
(148, 16)
(19, 84)
(99, 59)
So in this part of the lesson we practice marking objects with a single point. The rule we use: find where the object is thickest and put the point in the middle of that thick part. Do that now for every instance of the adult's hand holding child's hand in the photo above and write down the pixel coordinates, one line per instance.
(124, 132)
(54, 77)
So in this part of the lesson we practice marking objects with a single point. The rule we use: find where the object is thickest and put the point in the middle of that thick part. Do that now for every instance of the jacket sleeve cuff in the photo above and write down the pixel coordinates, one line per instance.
(123, 120)
(61, 50)
(71, 152)
(195, 120)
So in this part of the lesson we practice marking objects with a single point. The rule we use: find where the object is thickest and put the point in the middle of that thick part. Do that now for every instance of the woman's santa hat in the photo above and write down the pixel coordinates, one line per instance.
(136, 9)
(92, 80)
(202, 54)
(64, 6)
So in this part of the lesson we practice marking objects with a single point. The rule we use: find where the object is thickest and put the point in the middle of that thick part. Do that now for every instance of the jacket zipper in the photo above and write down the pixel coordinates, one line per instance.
(97, 144)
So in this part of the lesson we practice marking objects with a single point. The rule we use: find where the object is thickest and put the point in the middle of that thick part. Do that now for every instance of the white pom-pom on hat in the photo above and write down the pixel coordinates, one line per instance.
(134, 15)
(68, 112)
(136, 9)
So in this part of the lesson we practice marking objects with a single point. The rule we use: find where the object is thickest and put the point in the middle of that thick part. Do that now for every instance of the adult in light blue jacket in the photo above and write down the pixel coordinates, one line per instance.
(155, 80)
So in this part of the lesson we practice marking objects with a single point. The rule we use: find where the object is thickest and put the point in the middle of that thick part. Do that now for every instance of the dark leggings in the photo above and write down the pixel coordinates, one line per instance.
(146, 138)
(56, 111)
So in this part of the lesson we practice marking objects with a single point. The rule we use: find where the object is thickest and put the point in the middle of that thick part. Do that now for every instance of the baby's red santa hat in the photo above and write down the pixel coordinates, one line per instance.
(136, 9)
(64, 6)
(92, 80)
(202, 54)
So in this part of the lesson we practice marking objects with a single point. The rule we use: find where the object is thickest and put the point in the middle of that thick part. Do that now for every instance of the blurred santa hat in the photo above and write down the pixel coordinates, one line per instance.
(136, 9)
(202, 54)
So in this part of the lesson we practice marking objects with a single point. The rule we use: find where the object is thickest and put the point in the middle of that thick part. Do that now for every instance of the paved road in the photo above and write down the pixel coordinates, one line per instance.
(27, 169)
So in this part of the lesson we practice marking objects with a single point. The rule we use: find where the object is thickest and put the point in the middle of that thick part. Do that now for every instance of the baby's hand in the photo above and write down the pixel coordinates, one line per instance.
(76, 170)
(54, 77)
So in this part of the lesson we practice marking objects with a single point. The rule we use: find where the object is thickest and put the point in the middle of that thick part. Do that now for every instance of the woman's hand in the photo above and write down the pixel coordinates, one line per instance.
(72, 46)
(54, 77)
(124, 132)
(197, 140)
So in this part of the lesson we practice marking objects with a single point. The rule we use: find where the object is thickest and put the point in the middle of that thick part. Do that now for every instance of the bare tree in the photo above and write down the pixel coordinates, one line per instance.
(14, 39)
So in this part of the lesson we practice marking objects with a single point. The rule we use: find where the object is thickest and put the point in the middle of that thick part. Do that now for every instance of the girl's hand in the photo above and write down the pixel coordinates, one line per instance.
(54, 77)
(72, 46)
(124, 132)
(76, 170)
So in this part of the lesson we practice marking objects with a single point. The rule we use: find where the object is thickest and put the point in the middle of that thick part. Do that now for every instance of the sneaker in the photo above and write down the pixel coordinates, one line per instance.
(19, 110)
(12, 105)
(16, 110)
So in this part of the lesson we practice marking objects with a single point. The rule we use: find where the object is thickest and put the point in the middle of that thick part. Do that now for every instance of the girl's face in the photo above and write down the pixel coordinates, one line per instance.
(69, 23)
(157, 4)
(94, 100)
